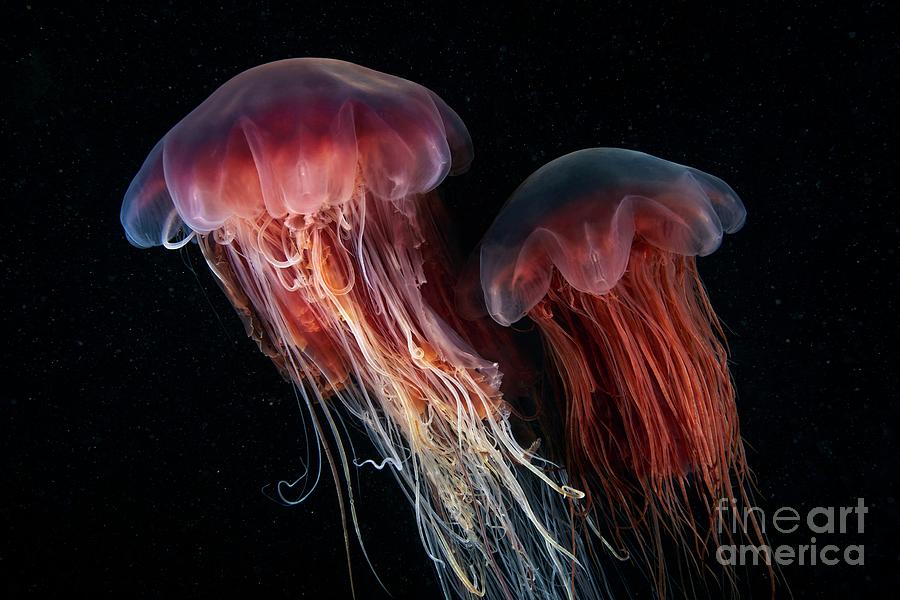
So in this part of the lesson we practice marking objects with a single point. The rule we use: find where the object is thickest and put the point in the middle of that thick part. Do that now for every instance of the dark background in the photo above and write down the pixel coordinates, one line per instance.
(140, 425)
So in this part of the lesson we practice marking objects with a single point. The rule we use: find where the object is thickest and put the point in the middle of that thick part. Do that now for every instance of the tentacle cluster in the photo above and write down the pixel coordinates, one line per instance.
(649, 415)
(337, 300)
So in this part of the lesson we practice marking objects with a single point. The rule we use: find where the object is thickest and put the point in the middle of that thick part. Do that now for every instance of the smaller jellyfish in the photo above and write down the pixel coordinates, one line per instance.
(598, 248)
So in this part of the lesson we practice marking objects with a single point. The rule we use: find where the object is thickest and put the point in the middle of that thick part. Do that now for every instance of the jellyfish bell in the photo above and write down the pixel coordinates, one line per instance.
(286, 138)
(282, 150)
(579, 215)
(308, 185)
(599, 249)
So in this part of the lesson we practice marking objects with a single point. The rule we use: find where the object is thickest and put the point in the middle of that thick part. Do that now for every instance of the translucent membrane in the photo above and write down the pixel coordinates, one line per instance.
(308, 185)
(598, 248)
(579, 215)
(288, 138)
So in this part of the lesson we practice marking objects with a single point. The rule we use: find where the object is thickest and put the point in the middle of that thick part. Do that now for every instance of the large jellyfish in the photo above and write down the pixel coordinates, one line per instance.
(308, 185)
(598, 248)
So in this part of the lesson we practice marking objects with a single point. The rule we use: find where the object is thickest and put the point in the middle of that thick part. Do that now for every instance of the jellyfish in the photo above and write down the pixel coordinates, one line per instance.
(598, 249)
(309, 186)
